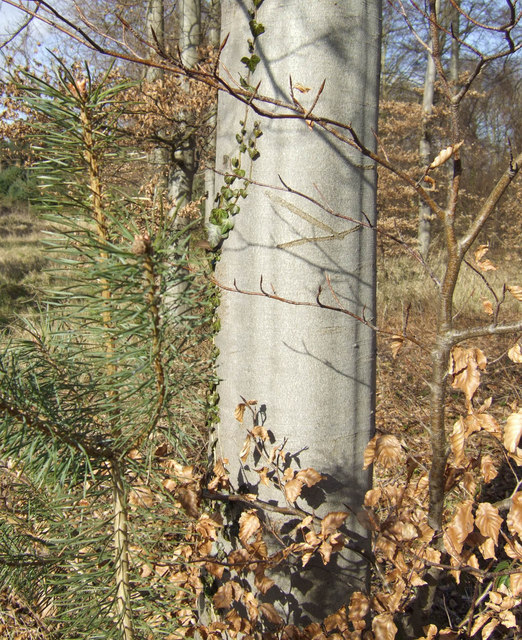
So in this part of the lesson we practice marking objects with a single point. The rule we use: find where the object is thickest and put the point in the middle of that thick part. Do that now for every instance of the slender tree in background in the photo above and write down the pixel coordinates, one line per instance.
(213, 39)
(155, 23)
(156, 34)
(425, 213)
(181, 179)
(311, 371)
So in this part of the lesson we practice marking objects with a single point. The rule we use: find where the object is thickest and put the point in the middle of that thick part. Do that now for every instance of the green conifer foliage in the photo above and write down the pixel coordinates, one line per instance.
(91, 390)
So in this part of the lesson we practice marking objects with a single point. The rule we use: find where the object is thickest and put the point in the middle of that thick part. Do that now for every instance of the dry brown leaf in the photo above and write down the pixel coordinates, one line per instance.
(396, 343)
(383, 627)
(262, 582)
(513, 549)
(369, 452)
(430, 182)
(293, 489)
(141, 496)
(487, 305)
(515, 291)
(248, 525)
(223, 597)
(189, 501)
(392, 600)
(312, 539)
(260, 432)
(448, 634)
(486, 265)
(251, 606)
(216, 570)
(507, 618)
(325, 550)
(403, 531)
(430, 631)
(269, 612)
(432, 555)
(460, 527)
(332, 521)
(515, 584)
(488, 521)
(445, 155)
(359, 606)
(366, 518)
(465, 367)
(515, 353)
(337, 621)
(245, 451)
(488, 469)
(239, 412)
(236, 623)
(514, 518)
(309, 476)
(372, 497)
(415, 580)
(469, 483)
(489, 628)
(481, 252)
(479, 623)
(301, 87)
(288, 474)
(388, 450)
(513, 432)
(481, 421)
(263, 475)
(169, 484)
(259, 548)
(457, 442)
(220, 479)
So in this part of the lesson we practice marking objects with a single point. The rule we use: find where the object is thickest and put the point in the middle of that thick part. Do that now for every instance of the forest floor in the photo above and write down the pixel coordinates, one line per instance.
(405, 295)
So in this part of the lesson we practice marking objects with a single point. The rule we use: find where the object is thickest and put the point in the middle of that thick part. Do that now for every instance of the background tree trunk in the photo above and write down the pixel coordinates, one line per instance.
(183, 171)
(155, 33)
(213, 38)
(455, 44)
(158, 157)
(311, 370)
(425, 214)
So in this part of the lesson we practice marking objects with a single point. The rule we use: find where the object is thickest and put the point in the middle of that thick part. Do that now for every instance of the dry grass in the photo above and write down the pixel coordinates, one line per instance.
(21, 260)
(403, 283)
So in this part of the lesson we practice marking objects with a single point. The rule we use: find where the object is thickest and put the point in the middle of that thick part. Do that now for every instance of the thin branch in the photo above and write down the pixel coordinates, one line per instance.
(318, 303)
(289, 511)
(489, 205)
(460, 335)
(20, 29)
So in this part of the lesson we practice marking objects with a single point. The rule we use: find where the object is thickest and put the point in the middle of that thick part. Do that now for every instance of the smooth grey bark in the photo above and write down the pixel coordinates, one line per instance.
(425, 213)
(311, 370)
(155, 34)
(213, 38)
(181, 177)
(455, 45)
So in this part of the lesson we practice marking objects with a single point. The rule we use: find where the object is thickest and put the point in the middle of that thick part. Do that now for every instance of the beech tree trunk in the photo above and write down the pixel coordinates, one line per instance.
(311, 370)
(213, 38)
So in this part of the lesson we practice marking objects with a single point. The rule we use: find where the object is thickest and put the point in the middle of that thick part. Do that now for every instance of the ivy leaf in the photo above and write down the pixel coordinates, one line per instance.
(252, 62)
(256, 28)
(245, 84)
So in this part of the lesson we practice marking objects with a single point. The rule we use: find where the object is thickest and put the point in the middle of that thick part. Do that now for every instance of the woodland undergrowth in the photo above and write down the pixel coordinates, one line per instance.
(111, 521)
